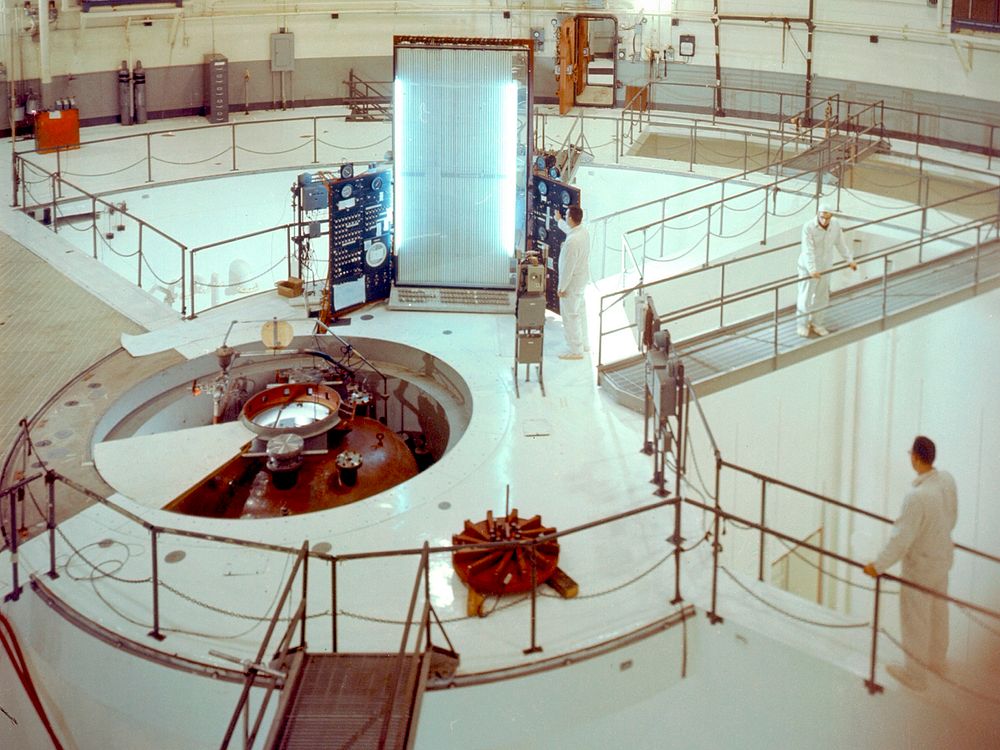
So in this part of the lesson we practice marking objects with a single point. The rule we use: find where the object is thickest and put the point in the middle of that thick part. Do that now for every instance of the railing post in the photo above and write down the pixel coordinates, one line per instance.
(15, 589)
(917, 139)
(678, 538)
(763, 240)
(663, 224)
(694, 146)
(14, 174)
(975, 273)
(183, 282)
(232, 141)
(923, 230)
(155, 632)
(870, 683)
(149, 157)
(315, 143)
(713, 616)
(722, 296)
(50, 483)
(534, 648)
(93, 224)
(885, 284)
(138, 282)
(618, 141)
(763, 537)
(722, 209)
(776, 323)
(55, 222)
(333, 605)
(191, 260)
(920, 182)
(24, 187)
(989, 152)
(708, 236)
(305, 592)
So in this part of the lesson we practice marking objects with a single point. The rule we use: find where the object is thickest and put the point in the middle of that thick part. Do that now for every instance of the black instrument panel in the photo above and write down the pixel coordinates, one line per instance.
(544, 235)
(361, 258)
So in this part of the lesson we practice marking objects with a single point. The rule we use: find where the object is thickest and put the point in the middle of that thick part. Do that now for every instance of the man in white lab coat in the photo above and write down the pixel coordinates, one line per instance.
(921, 538)
(574, 273)
(819, 238)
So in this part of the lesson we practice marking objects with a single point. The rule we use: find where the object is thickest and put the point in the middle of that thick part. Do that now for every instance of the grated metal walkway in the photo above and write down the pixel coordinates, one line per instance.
(737, 353)
(340, 701)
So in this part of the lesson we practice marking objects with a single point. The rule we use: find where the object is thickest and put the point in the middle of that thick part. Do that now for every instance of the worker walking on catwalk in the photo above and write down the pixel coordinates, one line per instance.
(921, 538)
(574, 273)
(819, 237)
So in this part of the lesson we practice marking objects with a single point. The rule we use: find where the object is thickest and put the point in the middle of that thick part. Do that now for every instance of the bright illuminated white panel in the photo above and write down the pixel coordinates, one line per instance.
(456, 129)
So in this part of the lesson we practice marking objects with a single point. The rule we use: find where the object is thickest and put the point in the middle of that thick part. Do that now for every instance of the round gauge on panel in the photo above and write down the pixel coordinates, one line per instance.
(542, 234)
(554, 173)
(543, 188)
(347, 171)
(540, 163)
(346, 191)
(565, 198)
(377, 253)
(377, 183)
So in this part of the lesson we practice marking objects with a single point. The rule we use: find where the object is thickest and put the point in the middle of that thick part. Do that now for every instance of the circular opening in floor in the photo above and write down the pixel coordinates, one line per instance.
(319, 425)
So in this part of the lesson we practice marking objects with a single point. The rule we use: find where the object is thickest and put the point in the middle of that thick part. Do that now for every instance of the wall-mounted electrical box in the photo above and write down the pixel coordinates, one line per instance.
(685, 46)
(282, 53)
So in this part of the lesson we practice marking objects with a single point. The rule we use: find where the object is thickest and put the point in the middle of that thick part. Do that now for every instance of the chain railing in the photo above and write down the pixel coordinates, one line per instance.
(981, 136)
(14, 516)
(714, 503)
(143, 152)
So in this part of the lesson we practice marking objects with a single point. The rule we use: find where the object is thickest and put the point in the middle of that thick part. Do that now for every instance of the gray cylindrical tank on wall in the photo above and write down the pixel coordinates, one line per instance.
(139, 92)
(125, 94)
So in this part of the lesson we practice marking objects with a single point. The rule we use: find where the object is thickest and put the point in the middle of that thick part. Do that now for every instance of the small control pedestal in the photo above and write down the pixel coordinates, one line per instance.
(530, 317)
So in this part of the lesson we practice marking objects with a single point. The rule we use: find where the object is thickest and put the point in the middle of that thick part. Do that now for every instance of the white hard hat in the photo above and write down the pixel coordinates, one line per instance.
(826, 208)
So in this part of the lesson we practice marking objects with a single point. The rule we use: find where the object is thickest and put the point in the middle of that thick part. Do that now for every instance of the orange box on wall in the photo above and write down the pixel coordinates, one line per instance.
(57, 129)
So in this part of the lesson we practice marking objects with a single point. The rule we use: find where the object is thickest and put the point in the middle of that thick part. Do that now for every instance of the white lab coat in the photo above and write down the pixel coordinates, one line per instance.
(921, 538)
(816, 255)
(574, 273)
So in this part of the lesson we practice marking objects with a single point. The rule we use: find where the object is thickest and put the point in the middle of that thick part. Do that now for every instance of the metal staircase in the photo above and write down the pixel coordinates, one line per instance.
(734, 351)
(351, 700)
(338, 699)
(367, 102)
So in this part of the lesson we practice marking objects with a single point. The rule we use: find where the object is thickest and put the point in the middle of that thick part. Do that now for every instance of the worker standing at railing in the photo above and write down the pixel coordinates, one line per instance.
(921, 538)
(819, 238)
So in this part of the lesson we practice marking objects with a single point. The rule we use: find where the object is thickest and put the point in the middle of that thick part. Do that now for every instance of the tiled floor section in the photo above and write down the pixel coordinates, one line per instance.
(50, 330)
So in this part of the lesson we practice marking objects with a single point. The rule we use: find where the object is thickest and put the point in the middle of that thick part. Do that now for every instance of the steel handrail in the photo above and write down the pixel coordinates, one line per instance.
(844, 102)
(725, 263)
(754, 291)
(251, 669)
(390, 700)
(736, 177)
(823, 552)
(304, 553)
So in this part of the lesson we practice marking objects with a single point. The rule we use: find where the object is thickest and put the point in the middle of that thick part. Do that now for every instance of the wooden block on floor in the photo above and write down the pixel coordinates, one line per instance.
(565, 586)
(474, 604)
